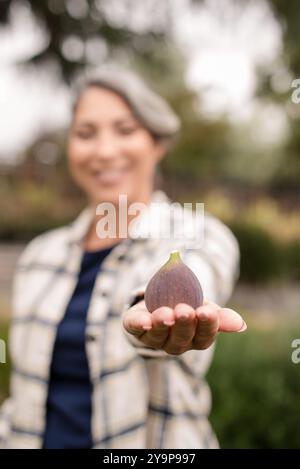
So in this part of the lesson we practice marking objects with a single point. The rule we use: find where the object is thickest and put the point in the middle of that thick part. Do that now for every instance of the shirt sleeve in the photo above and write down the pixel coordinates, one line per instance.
(19, 288)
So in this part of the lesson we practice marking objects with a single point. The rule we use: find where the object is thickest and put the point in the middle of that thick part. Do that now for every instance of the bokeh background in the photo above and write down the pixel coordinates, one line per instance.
(228, 69)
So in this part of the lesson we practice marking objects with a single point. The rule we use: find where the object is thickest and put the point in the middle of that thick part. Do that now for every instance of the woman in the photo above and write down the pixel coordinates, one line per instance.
(92, 368)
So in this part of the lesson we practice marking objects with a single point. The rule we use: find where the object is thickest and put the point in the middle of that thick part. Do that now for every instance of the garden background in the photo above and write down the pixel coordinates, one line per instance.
(229, 69)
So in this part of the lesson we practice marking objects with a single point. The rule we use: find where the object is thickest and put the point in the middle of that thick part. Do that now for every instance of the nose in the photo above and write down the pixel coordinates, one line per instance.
(105, 148)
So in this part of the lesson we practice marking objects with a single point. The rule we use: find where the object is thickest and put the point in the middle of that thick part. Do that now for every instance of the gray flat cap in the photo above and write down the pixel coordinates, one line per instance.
(148, 106)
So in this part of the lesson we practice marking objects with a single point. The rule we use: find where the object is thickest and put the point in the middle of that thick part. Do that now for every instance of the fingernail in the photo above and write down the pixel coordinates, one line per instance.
(147, 328)
(183, 317)
(169, 323)
(202, 316)
(243, 328)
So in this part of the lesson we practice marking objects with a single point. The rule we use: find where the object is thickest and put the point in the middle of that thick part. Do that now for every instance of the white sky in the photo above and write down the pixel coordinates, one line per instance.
(225, 47)
(223, 53)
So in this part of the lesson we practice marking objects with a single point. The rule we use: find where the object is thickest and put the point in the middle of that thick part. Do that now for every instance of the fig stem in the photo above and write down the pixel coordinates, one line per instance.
(175, 256)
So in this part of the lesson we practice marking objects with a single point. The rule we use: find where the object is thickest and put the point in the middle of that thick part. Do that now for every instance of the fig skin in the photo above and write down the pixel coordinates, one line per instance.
(174, 283)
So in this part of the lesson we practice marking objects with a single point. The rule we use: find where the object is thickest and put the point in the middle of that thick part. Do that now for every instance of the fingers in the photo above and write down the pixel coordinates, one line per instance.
(183, 328)
(231, 321)
(162, 320)
(207, 325)
(182, 333)
(137, 319)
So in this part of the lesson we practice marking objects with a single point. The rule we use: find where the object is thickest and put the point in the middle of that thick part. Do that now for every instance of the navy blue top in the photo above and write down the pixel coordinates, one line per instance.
(69, 408)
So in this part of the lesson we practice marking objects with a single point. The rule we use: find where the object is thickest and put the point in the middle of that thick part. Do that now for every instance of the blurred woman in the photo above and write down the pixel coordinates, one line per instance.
(92, 367)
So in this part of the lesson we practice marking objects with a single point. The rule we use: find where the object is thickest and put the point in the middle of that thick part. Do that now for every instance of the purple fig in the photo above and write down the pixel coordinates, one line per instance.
(174, 283)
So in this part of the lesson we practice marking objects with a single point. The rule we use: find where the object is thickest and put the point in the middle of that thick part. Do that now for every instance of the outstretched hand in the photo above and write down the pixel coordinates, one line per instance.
(183, 328)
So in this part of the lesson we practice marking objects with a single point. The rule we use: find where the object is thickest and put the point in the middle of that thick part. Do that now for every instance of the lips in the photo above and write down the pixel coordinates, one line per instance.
(109, 176)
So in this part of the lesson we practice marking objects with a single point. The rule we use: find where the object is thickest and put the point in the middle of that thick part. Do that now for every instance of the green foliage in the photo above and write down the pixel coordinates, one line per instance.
(207, 149)
(199, 151)
(261, 257)
(292, 256)
(288, 173)
(256, 389)
(28, 210)
(268, 235)
(288, 13)
(4, 367)
(92, 26)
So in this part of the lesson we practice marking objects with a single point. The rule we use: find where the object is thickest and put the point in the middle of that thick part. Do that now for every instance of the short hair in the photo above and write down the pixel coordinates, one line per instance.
(149, 107)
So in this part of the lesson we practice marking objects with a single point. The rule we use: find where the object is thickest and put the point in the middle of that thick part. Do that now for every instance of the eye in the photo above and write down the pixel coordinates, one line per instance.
(127, 130)
(83, 134)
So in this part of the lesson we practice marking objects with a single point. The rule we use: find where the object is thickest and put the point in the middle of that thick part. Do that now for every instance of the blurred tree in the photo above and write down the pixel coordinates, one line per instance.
(288, 14)
(84, 31)
(276, 86)
(88, 32)
(140, 34)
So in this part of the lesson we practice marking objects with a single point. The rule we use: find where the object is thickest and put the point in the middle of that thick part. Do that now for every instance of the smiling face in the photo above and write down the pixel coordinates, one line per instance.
(109, 151)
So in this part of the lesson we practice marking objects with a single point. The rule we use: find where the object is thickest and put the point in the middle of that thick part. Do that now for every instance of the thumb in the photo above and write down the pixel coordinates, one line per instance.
(230, 321)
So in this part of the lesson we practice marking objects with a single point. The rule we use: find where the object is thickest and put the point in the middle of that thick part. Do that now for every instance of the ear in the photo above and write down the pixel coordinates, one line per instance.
(160, 150)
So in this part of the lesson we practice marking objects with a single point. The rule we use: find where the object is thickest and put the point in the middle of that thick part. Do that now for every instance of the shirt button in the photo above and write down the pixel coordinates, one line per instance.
(91, 337)
(122, 257)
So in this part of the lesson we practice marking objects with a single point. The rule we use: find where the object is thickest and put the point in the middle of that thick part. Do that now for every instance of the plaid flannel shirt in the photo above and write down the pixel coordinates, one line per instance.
(142, 398)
